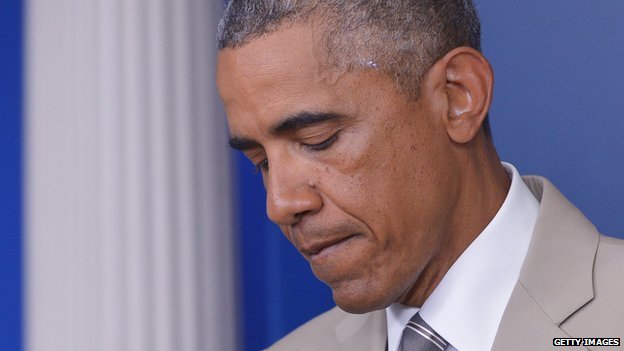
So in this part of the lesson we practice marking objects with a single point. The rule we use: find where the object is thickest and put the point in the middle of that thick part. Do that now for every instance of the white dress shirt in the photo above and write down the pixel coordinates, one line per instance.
(467, 305)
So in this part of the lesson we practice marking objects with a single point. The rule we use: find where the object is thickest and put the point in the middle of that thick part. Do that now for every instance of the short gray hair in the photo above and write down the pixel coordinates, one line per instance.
(401, 37)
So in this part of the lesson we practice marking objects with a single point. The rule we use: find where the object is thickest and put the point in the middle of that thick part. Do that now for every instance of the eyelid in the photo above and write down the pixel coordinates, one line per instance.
(325, 144)
(261, 166)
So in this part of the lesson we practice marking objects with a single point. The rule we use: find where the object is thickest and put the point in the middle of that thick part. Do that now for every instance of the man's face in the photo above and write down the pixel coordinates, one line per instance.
(357, 174)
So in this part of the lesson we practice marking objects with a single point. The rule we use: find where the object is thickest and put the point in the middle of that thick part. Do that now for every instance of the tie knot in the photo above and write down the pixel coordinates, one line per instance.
(419, 336)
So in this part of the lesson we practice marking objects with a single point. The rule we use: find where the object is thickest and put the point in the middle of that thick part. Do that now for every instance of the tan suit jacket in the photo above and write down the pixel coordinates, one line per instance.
(571, 285)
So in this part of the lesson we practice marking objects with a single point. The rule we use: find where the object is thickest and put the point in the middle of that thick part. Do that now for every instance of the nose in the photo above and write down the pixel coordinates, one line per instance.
(290, 194)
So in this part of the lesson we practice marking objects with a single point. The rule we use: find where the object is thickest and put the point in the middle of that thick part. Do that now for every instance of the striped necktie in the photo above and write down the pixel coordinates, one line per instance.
(418, 336)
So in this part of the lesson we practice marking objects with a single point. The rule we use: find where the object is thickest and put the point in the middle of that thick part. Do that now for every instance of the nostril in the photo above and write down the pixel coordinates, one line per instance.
(287, 205)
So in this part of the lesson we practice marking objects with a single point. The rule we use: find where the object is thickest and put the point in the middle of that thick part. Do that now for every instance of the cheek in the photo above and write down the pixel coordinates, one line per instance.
(368, 179)
(397, 191)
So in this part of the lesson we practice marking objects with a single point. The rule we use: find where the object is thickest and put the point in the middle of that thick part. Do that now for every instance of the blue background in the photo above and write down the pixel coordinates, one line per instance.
(558, 111)
(10, 174)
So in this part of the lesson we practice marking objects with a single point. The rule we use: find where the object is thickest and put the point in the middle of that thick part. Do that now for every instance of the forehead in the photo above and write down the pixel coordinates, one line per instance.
(275, 75)
(262, 58)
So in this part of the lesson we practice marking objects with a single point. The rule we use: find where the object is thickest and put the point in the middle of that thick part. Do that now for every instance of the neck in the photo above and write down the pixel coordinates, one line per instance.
(483, 185)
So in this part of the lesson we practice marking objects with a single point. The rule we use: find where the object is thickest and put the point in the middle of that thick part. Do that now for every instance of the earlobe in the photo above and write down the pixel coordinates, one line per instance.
(469, 85)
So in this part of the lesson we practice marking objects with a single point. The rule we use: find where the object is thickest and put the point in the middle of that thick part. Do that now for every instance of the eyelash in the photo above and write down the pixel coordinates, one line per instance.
(264, 164)
(323, 145)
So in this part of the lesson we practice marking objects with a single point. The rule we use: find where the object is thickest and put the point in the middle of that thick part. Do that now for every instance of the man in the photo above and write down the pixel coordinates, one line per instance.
(368, 121)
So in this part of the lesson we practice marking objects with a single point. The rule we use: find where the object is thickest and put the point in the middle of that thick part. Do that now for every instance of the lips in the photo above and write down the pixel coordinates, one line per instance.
(319, 248)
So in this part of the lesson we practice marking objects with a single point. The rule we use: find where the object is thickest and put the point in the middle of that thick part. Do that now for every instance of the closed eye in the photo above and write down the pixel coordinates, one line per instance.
(261, 166)
(324, 144)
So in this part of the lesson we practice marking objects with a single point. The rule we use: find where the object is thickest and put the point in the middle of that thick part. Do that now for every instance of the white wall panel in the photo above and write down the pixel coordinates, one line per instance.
(128, 213)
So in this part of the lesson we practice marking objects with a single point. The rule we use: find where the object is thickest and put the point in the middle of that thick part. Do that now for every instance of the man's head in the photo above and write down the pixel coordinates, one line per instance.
(366, 125)
(401, 38)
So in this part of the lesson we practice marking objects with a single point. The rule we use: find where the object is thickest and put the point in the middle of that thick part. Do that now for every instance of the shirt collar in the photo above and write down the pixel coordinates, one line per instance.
(467, 305)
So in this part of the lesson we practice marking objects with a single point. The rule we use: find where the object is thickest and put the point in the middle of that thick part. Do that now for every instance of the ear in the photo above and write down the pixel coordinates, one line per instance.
(469, 86)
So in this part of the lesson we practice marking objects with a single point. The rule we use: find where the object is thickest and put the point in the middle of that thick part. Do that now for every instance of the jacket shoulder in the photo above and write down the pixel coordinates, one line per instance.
(603, 316)
(317, 334)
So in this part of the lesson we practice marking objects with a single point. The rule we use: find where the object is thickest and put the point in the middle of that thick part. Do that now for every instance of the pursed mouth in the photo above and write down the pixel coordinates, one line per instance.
(317, 250)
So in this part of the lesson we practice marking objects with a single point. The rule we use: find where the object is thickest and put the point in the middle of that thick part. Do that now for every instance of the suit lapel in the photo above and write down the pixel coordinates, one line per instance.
(525, 326)
(363, 332)
(556, 277)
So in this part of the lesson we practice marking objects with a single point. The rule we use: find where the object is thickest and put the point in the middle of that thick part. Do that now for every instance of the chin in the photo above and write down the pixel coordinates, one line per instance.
(360, 299)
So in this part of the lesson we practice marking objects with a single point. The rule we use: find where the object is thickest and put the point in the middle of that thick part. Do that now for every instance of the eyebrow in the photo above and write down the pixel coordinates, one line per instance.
(242, 144)
(304, 119)
(289, 124)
